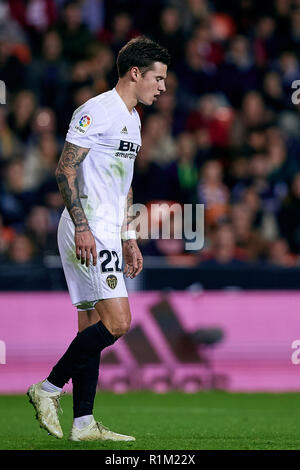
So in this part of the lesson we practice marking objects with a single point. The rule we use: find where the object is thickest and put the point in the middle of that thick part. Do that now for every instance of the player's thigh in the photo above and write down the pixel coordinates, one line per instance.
(87, 318)
(115, 314)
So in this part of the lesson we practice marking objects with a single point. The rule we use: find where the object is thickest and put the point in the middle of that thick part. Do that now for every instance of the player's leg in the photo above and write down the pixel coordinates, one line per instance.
(85, 382)
(84, 283)
(45, 395)
(87, 318)
(88, 342)
(115, 315)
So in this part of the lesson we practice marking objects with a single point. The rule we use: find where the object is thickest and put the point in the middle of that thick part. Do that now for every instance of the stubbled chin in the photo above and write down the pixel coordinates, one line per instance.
(147, 103)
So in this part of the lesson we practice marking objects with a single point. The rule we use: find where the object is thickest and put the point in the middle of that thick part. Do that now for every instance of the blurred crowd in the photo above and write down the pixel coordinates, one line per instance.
(226, 133)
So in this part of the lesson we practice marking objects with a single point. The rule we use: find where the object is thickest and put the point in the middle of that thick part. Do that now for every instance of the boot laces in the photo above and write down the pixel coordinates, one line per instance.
(56, 402)
(101, 427)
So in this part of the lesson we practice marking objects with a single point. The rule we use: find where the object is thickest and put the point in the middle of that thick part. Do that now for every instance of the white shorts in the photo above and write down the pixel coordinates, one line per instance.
(88, 285)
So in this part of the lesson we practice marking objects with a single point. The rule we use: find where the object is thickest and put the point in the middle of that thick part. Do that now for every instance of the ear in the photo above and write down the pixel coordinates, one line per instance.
(135, 73)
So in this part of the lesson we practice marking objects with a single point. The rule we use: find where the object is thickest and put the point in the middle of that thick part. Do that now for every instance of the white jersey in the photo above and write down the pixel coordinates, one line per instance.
(113, 134)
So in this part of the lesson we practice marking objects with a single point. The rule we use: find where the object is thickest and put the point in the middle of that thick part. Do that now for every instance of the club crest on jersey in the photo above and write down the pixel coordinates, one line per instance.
(111, 281)
(83, 123)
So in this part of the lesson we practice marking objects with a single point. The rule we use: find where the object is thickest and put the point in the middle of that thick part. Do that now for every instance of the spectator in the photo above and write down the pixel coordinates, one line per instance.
(294, 33)
(6, 236)
(163, 148)
(80, 79)
(206, 117)
(40, 232)
(9, 144)
(120, 32)
(93, 12)
(249, 241)
(195, 76)
(21, 116)
(48, 74)
(148, 179)
(213, 193)
(252, 114)
(289, 216)
(266, 43)
(170, 247)
(15, 200)
(279, 254)
(223, 251)
(213, 51)
(288, 68)
(21, 250)
(36, 17)
(205, 151)
(169, 33)
(10, 29)
(182, 174)
(273, 92)
(282, 12)
(50, 197)
(165, 107)
(75, 36)
(44, 122)
(41, 161)
(252, 201)
(191, 13)
(238, 74)
(258, 169)
(283, 167)
(12, 70)
(255, 141)
(100, 67)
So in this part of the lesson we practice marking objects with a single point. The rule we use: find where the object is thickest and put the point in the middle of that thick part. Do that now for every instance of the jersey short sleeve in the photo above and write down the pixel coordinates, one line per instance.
(86, 124)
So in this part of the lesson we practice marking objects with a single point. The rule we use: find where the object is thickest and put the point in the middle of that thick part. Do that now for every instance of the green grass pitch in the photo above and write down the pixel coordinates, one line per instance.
(206, 420)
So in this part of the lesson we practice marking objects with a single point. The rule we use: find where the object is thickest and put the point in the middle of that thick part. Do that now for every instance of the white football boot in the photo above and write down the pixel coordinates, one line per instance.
(95, 431)
(46, 405)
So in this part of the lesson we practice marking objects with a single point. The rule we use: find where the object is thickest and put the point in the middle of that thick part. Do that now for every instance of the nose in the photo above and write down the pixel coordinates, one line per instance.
(162, 86)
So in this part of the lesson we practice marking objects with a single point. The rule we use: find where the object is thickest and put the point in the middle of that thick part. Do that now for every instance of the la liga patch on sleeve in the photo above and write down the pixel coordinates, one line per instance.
(83, 124)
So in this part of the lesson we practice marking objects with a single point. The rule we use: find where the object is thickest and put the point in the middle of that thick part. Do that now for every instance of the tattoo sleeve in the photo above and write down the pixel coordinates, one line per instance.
(66, 177)
(128, 218)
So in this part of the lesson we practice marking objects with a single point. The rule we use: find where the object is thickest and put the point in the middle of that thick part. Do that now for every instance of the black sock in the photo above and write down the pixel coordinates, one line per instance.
(85, 345)
(85, 386)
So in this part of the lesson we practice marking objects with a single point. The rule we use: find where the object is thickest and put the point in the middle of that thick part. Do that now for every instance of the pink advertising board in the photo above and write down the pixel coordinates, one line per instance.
(163, 349)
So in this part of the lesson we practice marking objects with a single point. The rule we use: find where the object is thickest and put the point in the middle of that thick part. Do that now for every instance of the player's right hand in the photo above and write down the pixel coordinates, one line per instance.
(85, 247)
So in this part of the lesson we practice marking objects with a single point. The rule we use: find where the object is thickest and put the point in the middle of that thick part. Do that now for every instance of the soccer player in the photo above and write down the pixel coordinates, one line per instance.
(94, 176)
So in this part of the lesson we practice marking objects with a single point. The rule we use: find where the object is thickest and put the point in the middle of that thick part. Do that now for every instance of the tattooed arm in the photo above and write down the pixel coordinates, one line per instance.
(66, 176)
(132, 256)
(127, 217)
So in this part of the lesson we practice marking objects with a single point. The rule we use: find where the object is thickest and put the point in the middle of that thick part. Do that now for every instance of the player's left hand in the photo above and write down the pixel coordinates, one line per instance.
(133, 258)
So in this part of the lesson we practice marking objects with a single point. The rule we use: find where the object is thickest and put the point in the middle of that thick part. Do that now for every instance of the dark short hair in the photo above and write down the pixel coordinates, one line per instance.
(141, 52)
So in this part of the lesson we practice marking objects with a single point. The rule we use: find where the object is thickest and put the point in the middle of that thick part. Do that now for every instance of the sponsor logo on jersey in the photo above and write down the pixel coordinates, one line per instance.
(111, 281)
(83, 123)
(129, 147)
(128, 150)
(124, 130)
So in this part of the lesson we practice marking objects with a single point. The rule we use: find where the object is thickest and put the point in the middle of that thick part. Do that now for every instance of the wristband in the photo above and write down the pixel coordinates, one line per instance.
(128, 235)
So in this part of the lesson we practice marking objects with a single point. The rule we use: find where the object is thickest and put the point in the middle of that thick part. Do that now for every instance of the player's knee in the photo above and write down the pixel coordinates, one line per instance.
(120, 328)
